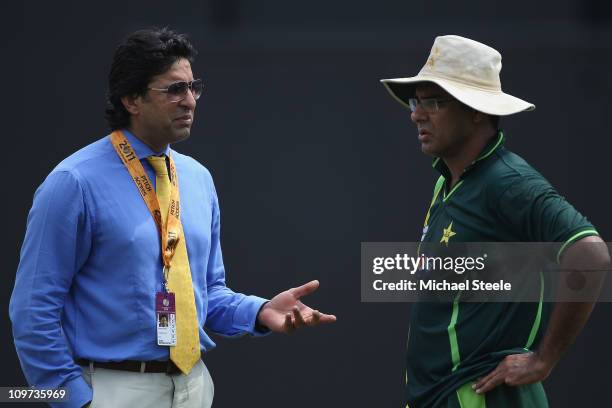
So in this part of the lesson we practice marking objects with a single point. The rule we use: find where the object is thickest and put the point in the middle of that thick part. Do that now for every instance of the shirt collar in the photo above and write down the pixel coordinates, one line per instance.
(142, 150)
(491, 147)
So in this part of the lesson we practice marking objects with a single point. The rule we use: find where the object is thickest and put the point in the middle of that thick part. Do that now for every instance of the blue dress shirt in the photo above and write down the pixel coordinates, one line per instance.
(90, 268)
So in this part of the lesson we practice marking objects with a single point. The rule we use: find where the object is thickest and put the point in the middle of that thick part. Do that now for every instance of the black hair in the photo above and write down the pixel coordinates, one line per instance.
(141, 56)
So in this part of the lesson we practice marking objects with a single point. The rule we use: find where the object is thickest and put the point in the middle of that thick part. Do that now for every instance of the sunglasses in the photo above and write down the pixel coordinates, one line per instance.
(177, 91)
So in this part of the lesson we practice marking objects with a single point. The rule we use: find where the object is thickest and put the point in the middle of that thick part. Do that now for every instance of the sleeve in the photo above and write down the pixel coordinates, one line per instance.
(229, 313)
(535, 212)
(56, 245)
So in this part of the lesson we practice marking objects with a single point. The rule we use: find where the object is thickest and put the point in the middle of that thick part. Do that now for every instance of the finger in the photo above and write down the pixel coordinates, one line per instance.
(305, 289)
(490, 384)
(299, 320)
(479, 382)
(316, 316)
(483, 380)
(326, 318)
(288, 325)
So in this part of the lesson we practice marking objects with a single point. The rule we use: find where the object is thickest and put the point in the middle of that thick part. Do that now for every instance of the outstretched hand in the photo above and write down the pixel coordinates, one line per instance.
(285, 313)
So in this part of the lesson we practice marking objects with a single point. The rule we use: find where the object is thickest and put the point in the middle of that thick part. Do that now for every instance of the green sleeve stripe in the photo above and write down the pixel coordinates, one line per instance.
(452, 334)
(446, 197)
(469, 399)
(574, 238)
(538, 318)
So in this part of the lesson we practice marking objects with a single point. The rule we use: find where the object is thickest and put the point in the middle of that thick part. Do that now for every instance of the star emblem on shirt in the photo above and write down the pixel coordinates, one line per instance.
(447, 234)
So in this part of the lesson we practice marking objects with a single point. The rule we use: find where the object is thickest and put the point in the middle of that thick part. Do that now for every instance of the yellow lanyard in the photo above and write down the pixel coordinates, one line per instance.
(170, 230)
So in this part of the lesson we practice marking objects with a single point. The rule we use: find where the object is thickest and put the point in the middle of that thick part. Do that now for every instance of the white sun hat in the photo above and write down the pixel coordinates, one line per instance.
(466, 69)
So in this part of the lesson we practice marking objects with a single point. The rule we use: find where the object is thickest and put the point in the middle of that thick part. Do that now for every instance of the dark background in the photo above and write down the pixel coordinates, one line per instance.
(311, 157)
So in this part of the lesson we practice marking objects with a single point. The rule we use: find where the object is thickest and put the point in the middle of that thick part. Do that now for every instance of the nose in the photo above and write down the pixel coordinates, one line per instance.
(189, 101)
(419, 114)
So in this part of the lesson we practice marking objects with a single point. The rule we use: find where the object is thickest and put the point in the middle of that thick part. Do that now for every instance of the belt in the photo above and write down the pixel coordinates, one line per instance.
(167, 367)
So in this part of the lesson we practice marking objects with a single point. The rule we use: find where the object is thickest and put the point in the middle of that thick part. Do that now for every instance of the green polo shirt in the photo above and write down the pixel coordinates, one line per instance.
(499, 198)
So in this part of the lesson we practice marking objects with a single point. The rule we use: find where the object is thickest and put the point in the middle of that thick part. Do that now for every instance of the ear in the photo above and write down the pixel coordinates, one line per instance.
(132, 103)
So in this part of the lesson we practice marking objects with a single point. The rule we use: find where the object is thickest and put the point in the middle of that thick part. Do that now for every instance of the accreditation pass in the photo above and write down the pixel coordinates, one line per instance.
(165, 312)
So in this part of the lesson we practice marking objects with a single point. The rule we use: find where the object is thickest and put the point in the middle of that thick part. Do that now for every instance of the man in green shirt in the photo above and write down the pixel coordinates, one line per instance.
(472, 355)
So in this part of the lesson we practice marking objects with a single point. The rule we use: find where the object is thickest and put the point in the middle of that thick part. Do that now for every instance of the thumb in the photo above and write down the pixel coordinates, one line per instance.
(305, 289)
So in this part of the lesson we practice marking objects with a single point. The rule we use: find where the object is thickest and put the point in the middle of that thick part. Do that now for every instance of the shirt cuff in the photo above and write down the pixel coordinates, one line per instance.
(79, 394)
(246, 314)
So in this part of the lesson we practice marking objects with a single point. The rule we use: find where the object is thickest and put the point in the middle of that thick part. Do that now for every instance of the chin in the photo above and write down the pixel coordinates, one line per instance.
(429, 150)
(178, 135)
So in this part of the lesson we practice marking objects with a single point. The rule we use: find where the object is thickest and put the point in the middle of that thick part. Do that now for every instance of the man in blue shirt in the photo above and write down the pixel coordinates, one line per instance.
(84, 305)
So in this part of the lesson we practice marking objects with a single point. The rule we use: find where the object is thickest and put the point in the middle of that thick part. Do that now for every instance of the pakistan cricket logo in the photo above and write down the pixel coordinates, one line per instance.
(447, 234)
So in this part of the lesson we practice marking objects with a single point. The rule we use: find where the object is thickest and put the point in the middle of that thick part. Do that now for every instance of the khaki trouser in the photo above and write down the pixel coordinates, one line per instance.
(125, 389)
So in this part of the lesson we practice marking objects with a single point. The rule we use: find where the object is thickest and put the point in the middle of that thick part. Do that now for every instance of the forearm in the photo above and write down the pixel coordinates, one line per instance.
(54, 248)
(589, 258)
(230, 313)
(583, 266)
(566, 322)
(41, 345)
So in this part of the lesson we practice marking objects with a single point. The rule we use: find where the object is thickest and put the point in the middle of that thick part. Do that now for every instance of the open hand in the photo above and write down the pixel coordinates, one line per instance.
(285, 313)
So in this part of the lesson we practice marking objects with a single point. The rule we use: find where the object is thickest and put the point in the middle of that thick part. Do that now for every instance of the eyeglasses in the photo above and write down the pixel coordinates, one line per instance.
(429, 105)
(178, 91)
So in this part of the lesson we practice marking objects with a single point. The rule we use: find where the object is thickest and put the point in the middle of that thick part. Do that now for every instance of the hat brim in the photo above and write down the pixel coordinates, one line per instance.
(491, 102)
